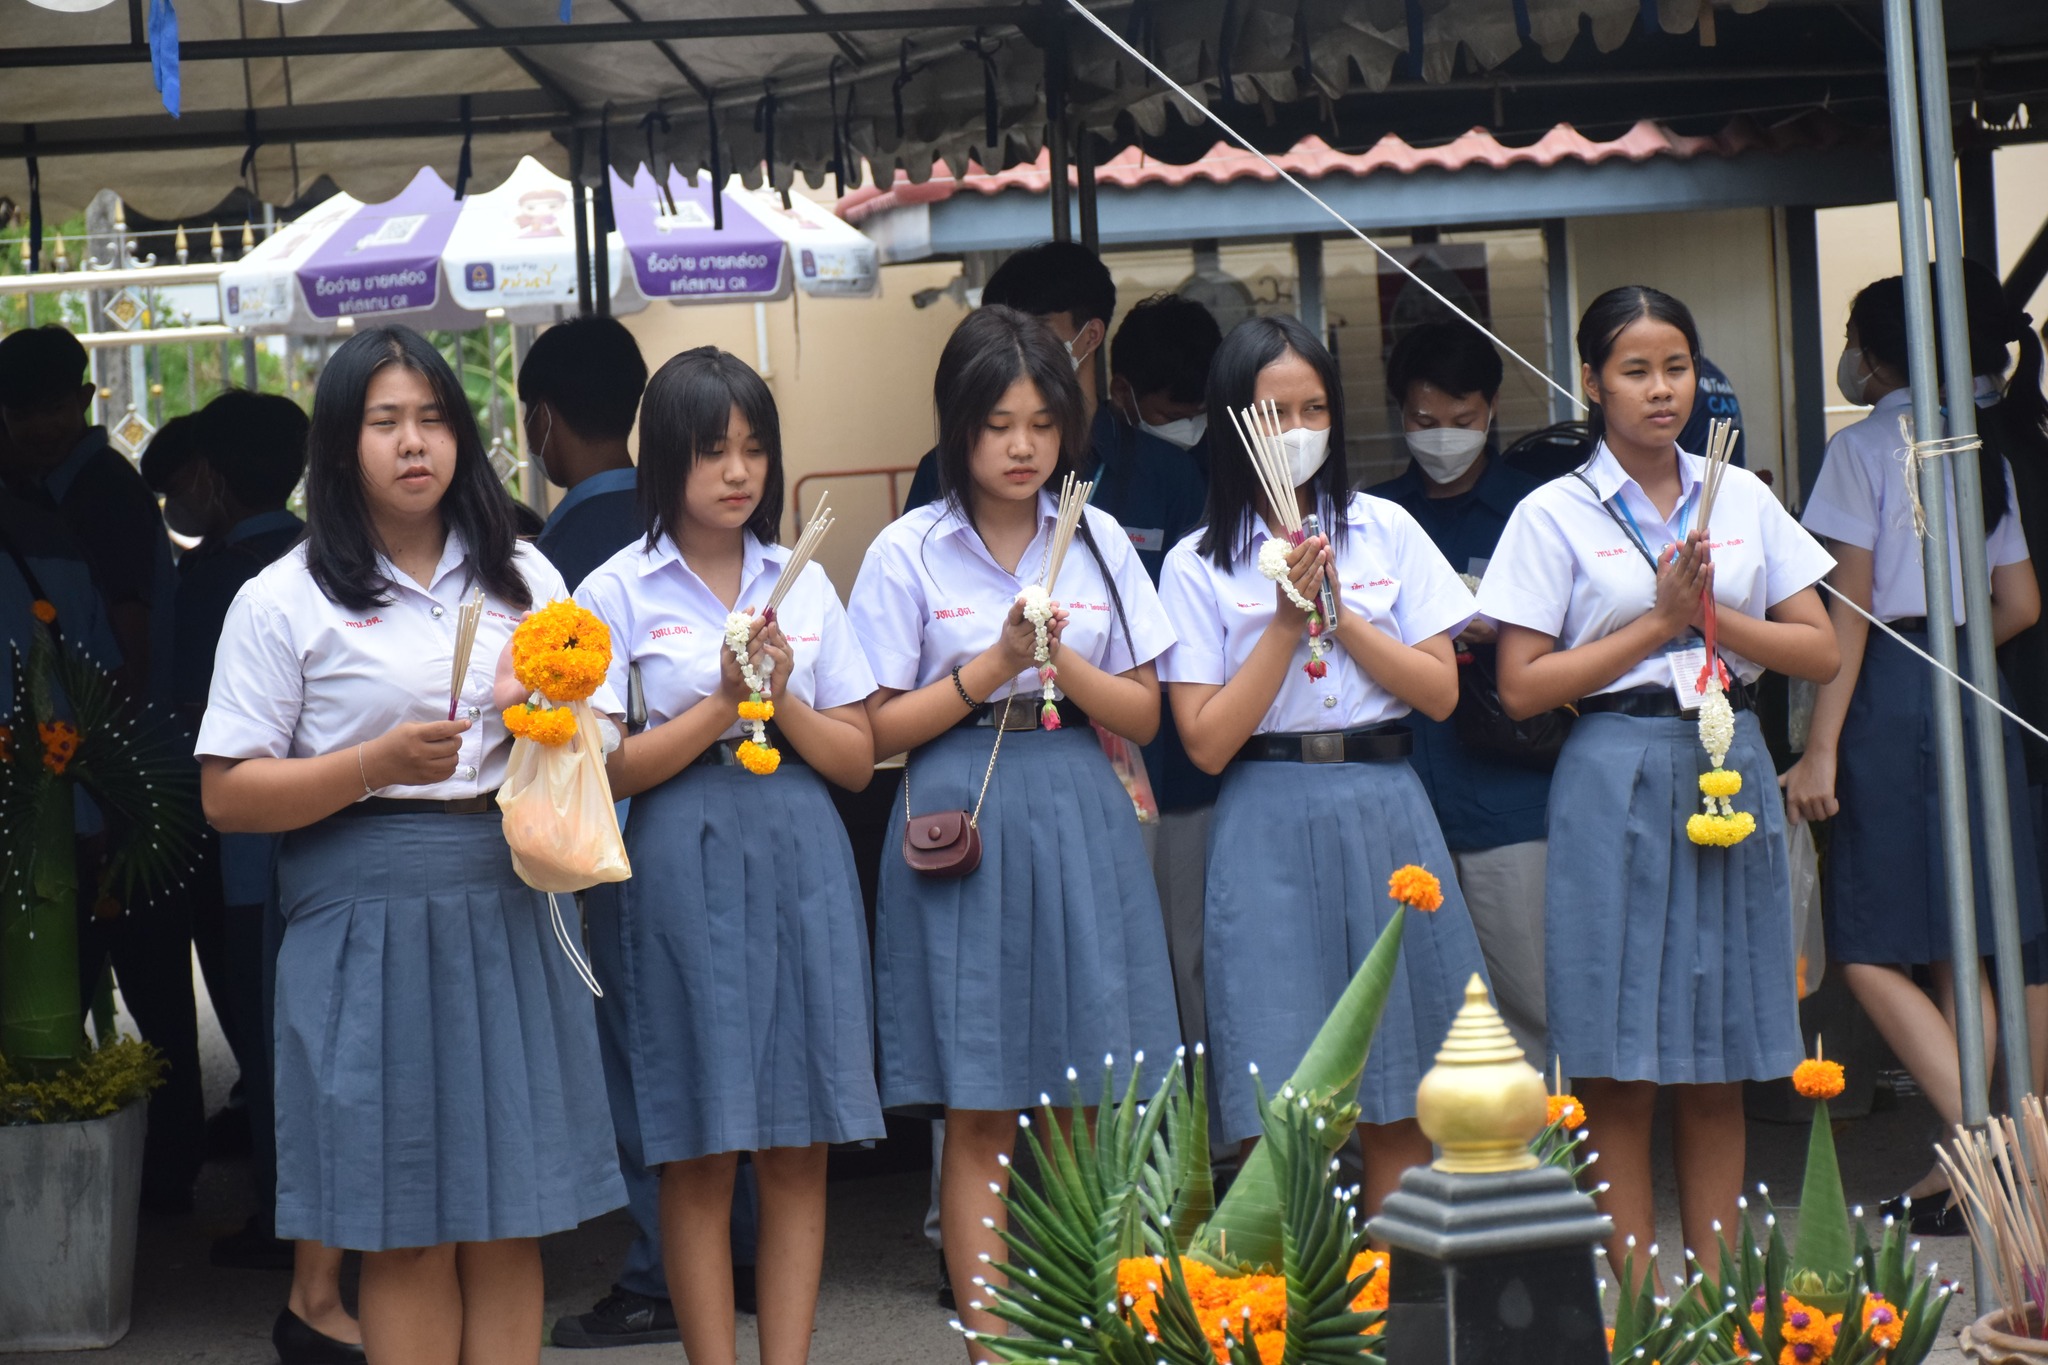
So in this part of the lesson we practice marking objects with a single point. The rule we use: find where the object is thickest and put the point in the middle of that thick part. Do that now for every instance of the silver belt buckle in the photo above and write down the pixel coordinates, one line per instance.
(1326, 747)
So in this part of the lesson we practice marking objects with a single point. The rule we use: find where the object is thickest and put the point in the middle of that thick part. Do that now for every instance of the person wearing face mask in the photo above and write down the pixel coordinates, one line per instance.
(1444, 380)
(1868, 767)
(580, 385)
(1159, 369)
(1319, 805)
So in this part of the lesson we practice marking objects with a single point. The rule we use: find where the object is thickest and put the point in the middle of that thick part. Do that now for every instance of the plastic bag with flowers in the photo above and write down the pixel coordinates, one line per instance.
(556, 798)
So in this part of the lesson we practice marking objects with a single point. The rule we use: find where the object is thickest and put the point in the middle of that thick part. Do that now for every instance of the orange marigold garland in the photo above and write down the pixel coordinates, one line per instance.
(560, 655)
(756, 755)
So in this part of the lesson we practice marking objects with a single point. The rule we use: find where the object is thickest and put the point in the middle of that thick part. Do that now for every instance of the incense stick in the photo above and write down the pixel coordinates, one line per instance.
(467, 618)
(1258, 427)
(1721, 437)
(1073, 498)
(807, 544)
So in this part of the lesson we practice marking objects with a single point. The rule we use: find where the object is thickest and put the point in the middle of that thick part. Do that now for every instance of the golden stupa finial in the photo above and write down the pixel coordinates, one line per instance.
(1482, 1103)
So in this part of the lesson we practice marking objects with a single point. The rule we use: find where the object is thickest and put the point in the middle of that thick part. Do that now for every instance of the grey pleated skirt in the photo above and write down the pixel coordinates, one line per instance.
(437, 1067)
(1663, 960)
(1051, 955)
(1299, 858)
(744, 949)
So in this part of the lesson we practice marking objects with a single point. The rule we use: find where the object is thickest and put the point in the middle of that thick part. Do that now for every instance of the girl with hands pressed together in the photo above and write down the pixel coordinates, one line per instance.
(1052, 953)
(1319, 805)
(439, 1101)
(1667, 963)
(739, 945)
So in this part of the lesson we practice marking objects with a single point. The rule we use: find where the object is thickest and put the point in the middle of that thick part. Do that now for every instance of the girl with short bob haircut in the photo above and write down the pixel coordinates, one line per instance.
(1053, 953)
(1318, 806)
(1666, 963)
(440, 1105)
(740, 941)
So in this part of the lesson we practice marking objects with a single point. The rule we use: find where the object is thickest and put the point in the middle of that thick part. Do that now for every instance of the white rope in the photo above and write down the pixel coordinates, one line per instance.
(1913, 453)
(576, 959)
(1935, 663)
(1279, 170)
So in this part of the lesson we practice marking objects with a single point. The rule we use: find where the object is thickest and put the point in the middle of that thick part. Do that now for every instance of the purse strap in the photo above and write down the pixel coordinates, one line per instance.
(974, 818)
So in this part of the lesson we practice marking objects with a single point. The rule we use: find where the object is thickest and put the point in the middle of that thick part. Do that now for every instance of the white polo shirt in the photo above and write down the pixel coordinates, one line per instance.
(298, 675)
(1861, 498)
(1566, 568)
(664, 619)
(1390, 573)
(930, 596)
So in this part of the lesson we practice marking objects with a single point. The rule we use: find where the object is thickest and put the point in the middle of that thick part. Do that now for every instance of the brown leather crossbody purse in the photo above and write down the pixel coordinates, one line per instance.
(946, 844)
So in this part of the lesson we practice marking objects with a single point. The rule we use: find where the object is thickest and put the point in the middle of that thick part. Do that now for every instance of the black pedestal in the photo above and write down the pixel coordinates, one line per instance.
(1492, 1269)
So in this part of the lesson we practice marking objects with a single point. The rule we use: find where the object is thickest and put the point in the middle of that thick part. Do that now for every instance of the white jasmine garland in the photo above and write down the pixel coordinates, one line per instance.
(738, 627)
(1038, 610)
(1717, 722)
(1273, 564)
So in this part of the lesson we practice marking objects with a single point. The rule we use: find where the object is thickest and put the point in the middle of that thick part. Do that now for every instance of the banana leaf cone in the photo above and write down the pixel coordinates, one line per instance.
(39, 1004)
(1823, 1267)
(1244, 1233)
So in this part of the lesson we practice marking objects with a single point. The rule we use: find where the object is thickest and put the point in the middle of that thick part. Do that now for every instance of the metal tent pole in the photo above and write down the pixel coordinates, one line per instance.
(1941, 635)
(1979, 646)
(1056, 143)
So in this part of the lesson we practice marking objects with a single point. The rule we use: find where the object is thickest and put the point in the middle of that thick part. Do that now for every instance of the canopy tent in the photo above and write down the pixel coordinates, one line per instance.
(326, 89)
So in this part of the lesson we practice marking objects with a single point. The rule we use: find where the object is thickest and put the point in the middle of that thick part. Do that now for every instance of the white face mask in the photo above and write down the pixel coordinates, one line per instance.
(1306, 451)
(1851, 376)
(1445, 453)
(1185, 433)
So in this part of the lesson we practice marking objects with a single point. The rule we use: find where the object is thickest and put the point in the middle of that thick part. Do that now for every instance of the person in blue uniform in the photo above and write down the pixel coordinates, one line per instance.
(1668, 964)
(440, 1104)
(1715, 401)
(741, 933)
(983, 1001)
(580, 385)
(1444, 379)
(1159, 372)
(1869, 760)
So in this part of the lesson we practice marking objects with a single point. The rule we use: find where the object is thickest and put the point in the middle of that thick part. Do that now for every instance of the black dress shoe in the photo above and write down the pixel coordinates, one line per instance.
(946, 1287)
(299, 1343)
(621, 1318)
(1934, 1215)
(227, 1134)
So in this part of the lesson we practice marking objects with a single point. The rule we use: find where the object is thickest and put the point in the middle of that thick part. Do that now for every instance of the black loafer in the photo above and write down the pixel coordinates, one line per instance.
(621, 1318)
(1933, 1215)
(299, 1343)
(945, 1295)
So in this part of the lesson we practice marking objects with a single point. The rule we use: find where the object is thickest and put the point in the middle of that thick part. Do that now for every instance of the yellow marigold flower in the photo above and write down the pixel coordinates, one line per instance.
(1720, 831)
(549, 726)
(1882, 1323)
(757, 709)
(1565, 1108)
(561, 652)
(1373, 1298)
(1415, 886)
(43, 611)
(759, 759)
(1720, 782)
(1818, 1080)
(1806, 1325)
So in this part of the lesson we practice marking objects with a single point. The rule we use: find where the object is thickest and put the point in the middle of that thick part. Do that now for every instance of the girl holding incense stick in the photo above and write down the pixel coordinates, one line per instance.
(741, 936)
(1625, 589)
(1302, 716)
(439, 1101)
(993, 978)
(1869, 754)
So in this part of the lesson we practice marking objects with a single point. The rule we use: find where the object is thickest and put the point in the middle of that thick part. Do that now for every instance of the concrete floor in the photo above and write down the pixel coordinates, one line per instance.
(876, 1306)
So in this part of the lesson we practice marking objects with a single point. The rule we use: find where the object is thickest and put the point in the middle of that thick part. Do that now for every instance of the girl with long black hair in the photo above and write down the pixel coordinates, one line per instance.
(1869, 760)
(1051, 954)
(1319, 805)
(739, 942)
(440, 1106)
(1667, 964)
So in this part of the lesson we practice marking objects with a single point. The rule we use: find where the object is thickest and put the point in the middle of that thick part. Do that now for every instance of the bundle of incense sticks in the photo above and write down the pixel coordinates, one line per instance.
(1073, 497)
(467, 618)
(807, 543)
(1721, 434)
(1258, 426)
(1998, 1176)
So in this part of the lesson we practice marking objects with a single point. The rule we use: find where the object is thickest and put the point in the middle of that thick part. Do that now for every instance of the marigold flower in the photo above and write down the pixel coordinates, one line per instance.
(757, 708)
(60, 744)
(562, 652)
(1565, 1109)
(43, 611)
(1882, 1323)
(1372, 1298)
(1817, 1079)
(1720, 831)
(1272, 1346)
(759, 759)
(1720, 782)
(1415, 886)
(542, 725)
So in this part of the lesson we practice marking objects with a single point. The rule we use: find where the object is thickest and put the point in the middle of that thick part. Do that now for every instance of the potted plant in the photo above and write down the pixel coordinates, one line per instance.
(71, 1115)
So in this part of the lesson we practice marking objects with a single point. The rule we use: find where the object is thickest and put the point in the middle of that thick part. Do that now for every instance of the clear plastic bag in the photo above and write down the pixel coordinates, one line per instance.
(559, 817)
(1808, 940)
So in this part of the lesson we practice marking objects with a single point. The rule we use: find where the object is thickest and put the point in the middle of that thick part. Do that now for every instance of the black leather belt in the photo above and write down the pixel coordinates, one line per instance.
(1655, 702)
(399, 805)
(1023, 714)
(726, 752)
(1909, 625)
(1381, 744)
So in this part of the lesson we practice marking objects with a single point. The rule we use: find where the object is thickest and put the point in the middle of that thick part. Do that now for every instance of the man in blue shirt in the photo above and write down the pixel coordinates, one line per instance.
(1715, 401)
(1444, 378)
(581, 386)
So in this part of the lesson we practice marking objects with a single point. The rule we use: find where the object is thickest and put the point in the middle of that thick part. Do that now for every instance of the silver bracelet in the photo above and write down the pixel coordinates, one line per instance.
(363, 772)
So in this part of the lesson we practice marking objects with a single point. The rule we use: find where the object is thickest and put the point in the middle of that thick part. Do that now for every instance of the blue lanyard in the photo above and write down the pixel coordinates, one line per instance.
(1642, 543)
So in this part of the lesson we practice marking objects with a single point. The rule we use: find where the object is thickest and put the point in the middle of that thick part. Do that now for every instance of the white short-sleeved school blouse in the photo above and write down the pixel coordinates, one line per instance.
(1861, 498)
(298, 675)
(663, 618)
(1390, 572)
(930, 597)
(1568, 569)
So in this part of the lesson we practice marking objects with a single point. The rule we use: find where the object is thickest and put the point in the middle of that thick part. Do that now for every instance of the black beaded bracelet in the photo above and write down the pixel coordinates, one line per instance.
(961, 688)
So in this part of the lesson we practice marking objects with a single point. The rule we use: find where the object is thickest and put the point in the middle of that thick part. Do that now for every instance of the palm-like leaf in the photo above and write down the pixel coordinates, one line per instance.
(1320, 1233)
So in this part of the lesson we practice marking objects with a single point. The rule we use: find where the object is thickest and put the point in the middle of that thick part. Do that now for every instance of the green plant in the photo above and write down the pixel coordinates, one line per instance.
(104, 1081)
